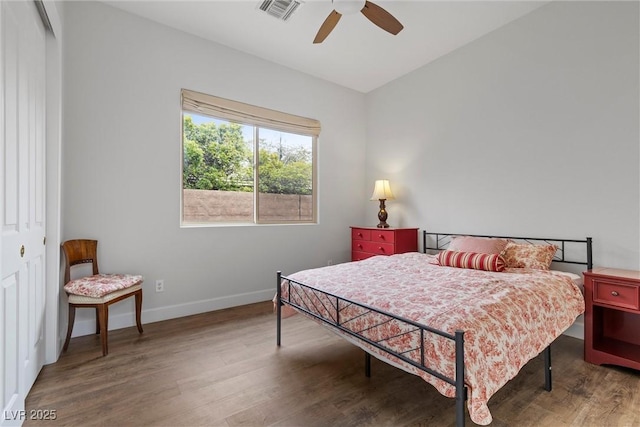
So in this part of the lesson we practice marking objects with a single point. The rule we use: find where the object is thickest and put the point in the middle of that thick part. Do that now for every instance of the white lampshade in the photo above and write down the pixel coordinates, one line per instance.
(382, 190)
(348, 7)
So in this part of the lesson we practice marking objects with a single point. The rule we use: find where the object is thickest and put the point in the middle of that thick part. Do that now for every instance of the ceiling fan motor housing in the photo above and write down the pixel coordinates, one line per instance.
(348, 7)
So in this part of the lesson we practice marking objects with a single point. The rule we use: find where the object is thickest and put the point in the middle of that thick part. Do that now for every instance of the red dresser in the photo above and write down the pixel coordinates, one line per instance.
(369, 241)
(612, 317)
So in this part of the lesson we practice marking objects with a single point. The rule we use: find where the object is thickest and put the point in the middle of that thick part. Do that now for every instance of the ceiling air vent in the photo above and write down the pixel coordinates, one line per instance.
(281, 9)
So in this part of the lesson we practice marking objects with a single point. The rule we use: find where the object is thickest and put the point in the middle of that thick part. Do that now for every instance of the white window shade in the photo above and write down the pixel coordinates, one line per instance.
(240, 112)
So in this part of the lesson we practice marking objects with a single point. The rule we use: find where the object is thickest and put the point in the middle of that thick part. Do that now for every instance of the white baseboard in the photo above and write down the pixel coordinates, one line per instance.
(88, 326)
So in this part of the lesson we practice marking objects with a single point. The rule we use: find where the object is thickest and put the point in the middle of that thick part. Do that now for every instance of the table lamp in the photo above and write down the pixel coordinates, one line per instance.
(382, 192)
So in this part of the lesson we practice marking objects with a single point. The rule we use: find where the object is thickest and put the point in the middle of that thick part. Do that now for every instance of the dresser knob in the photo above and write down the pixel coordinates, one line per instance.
(615, 293)
(381, 249)
(359, 234)
(359, 246)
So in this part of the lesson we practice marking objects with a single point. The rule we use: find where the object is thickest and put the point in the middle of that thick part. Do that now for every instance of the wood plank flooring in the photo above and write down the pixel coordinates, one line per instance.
(224, 369)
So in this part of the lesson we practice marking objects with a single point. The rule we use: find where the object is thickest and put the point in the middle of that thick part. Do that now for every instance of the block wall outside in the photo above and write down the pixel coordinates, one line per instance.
(207, 205)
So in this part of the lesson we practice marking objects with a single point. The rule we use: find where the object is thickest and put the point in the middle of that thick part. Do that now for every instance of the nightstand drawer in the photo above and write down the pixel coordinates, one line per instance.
(616, 294)
(360, 234)
(383, 236)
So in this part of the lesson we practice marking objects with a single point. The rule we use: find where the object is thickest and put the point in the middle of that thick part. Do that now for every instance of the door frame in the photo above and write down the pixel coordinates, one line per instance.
(53, 303)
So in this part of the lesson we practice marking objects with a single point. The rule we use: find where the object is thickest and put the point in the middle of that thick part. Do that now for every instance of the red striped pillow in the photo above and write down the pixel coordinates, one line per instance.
(476, 261)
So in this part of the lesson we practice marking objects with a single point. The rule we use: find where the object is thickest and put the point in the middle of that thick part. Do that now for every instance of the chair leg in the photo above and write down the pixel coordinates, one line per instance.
(139, 310)
(103, 316)
(97, 321)
(72, 318)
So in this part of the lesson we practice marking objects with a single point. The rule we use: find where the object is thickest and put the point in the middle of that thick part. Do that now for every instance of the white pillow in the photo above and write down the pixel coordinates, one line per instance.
(575, 278)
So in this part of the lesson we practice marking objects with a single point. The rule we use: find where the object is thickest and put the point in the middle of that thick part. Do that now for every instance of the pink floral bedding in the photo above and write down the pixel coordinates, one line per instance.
(508, 317)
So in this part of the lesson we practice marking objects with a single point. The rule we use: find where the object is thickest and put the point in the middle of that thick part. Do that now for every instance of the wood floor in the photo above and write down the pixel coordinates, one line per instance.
(224, 369)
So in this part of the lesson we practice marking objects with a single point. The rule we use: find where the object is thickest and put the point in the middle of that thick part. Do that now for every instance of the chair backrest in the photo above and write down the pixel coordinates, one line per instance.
(79, 251)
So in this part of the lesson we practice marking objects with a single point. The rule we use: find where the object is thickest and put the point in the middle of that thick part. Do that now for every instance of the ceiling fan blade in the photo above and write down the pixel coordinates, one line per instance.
(381, 18)
(327, 26)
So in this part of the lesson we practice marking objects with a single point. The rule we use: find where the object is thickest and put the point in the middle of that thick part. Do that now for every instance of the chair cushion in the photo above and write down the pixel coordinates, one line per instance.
(84, 300)
(100, 285)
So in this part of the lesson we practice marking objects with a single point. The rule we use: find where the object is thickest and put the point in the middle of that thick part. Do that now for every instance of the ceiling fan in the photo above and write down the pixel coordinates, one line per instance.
(372, 11)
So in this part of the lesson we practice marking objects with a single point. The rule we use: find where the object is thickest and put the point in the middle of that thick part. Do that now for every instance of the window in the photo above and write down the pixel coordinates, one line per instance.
(246, 164)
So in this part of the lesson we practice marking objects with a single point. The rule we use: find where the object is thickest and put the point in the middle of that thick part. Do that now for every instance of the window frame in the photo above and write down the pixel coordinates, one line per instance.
(259, 118)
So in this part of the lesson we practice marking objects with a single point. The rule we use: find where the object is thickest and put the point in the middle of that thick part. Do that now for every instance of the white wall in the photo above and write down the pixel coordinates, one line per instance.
(122, 155)
(531, 130)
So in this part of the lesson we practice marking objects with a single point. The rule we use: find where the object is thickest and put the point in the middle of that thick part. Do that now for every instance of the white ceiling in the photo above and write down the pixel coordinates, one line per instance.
(357, 54)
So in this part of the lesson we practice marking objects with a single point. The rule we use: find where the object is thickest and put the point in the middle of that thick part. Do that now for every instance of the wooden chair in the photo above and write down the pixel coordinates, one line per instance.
(98, 291)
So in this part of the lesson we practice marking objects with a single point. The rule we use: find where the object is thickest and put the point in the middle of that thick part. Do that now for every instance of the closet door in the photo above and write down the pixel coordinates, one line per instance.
(22, 192)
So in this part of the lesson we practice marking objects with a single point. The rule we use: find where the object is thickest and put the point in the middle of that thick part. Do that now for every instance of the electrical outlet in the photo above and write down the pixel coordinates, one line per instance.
(159, 285)
(330, 262)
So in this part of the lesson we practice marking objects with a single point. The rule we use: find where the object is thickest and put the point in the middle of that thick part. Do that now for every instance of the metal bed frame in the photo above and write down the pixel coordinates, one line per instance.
(338, 304)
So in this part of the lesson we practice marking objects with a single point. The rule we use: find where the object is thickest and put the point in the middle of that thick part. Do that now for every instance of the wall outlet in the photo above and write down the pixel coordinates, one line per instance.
(159, 285)
(330, 262)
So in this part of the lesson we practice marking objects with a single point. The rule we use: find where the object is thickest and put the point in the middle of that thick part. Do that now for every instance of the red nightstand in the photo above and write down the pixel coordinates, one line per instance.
(612, 317)
(370, 241)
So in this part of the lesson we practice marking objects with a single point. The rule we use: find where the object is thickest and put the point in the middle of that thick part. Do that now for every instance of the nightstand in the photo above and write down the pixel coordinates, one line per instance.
(370, 241)
(612, 317)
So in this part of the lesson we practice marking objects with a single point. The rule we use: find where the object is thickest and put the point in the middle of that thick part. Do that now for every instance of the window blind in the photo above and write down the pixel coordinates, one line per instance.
(240, 112)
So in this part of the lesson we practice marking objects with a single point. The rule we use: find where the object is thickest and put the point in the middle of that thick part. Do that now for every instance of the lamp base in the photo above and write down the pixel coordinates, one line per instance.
(382, 215)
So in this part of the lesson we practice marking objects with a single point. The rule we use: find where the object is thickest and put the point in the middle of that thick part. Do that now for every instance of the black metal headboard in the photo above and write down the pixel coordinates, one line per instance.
(440, 241)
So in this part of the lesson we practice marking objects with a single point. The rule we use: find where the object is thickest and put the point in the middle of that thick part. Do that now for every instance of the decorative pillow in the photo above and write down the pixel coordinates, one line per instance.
(476, 261)
(481, 245)
(101, 284)
(538, 257)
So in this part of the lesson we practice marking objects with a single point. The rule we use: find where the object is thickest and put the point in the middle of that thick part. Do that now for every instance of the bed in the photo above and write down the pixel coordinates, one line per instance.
(463, 329)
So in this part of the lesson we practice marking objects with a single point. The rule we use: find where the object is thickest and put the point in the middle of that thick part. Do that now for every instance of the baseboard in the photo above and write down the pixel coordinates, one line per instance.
(125, 320)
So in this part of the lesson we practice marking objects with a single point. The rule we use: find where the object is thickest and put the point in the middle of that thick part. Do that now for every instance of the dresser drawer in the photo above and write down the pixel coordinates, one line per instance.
(375, 248)
(383, 236)
(360, 234)
(616, 294)
(359, 256)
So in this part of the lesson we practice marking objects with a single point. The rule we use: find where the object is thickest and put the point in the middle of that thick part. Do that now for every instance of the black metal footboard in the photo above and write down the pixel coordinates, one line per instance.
(315, 301)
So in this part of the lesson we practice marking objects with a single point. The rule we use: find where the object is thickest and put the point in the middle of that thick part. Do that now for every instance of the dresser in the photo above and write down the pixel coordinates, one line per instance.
(612, 317)
(369, 241)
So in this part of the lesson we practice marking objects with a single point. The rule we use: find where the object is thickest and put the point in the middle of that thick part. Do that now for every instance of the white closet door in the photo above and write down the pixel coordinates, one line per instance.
(22, 191)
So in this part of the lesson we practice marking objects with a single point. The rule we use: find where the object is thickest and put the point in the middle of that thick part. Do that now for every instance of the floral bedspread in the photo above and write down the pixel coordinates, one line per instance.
(508, 317)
